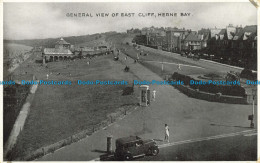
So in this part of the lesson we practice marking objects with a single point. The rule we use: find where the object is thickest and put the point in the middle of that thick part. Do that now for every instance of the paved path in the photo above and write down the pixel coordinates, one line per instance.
(186, 117)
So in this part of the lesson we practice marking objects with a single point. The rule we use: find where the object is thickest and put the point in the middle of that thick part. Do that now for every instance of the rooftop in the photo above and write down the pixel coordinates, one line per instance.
(57, 51)
(192, 37)
(251, 30)
(62, 42)
(127, 139)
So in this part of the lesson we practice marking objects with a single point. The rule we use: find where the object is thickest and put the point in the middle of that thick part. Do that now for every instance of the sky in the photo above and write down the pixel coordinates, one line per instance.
(49, 20)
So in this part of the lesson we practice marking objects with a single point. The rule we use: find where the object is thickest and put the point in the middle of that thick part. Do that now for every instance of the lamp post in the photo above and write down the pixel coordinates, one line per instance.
(162, 65)
(251, 117)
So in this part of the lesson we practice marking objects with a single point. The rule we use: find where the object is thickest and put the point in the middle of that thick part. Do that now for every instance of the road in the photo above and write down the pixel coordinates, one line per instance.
(240, 147)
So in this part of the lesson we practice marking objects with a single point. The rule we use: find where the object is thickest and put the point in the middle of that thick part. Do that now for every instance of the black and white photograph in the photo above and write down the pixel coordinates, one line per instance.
(129, 81)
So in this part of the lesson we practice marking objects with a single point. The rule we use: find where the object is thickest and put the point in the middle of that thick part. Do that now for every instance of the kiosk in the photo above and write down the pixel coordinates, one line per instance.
(145, 95)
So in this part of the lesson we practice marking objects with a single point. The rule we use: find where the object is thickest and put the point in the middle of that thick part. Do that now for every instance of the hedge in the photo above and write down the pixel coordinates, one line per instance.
(231, 90)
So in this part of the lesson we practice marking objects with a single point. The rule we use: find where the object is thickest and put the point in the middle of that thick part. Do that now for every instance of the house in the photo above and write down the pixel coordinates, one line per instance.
(154, 37)
(192, 41)
(204, 35)
(244, 46)
(174, 39)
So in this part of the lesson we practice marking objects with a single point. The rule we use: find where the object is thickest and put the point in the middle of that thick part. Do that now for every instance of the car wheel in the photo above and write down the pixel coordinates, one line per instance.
(128, 157)
(154, 151)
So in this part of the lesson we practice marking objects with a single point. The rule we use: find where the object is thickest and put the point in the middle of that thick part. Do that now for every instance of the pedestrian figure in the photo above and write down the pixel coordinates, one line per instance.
(167, 134)
(47, 76)
(179, 67)
(126, 68)
(125, 58)
(88, 62)
(154, 91)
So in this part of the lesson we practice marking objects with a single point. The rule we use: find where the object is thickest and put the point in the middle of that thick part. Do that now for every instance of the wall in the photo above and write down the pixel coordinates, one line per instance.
(210, 96)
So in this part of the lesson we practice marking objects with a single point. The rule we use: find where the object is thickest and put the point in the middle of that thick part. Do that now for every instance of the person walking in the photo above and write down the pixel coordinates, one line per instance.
(154, 92)
(179, 67)
(167, 134)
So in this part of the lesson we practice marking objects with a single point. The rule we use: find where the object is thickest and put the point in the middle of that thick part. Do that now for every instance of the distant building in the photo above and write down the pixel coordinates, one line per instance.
(214, 32)
(192, 41)
(231, 45)
(60, 52)
(244, 45)
(133, 31)
(204, 35)
(154, 37)
(37, 50)
(174, 39)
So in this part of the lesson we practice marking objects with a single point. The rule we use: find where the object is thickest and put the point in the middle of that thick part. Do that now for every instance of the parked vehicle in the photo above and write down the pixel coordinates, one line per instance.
(116, 58)
(128, 148)
(184, 54)
(196, 57)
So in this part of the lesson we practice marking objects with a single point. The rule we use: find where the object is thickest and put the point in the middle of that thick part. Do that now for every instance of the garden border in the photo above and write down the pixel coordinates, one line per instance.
(211, 96)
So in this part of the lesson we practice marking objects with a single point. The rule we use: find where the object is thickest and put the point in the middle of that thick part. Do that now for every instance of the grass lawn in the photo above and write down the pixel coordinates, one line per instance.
(58, 112)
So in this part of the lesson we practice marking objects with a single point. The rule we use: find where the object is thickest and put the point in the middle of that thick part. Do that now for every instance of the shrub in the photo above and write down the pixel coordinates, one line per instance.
(211, 88)
(233, 90)
(254, 76)
(246, 73)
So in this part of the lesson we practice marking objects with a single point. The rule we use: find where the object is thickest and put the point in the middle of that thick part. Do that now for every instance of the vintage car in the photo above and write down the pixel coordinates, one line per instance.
(128, 148)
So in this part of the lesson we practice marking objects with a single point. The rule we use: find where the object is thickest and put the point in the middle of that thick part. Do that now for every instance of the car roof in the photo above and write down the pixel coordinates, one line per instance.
(127, 139)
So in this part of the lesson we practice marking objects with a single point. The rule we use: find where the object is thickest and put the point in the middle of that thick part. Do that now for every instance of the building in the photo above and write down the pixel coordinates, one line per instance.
(204, 35)
(153, 37)
(133, 31)
(174, 39)
(192, 41)
(244, 46)
(224, 41)
(60, 52)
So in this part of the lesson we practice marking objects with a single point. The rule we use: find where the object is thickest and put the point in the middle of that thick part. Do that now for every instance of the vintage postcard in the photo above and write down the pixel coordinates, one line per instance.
(129, 81)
